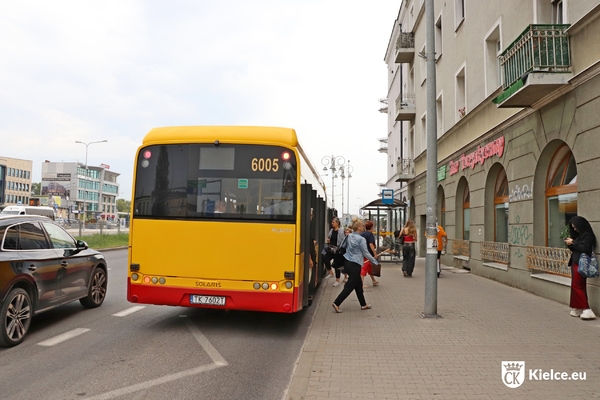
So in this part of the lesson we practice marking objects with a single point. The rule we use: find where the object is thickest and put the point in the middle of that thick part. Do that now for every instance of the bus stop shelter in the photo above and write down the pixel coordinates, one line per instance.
(395, 212)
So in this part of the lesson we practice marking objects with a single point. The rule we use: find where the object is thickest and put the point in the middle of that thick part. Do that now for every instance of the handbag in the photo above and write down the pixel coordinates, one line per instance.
(588, 266)
(376, 270)
(340, 251)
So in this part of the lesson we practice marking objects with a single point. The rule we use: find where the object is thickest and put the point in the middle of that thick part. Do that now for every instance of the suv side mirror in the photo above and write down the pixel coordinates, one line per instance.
(81, 245)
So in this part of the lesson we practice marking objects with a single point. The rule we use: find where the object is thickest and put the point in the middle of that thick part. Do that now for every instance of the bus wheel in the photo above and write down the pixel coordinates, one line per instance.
(16, 314)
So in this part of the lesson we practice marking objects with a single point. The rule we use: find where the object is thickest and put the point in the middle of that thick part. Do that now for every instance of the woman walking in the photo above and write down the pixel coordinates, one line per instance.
(334, 240)
(367, 267)
(409, 236)
(356, 250)
(581, 240)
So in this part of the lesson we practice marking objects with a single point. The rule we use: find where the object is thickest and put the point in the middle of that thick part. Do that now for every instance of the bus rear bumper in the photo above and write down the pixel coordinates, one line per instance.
(234, 300)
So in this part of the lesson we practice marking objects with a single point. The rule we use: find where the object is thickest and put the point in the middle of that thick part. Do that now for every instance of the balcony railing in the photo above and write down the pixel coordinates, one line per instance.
(460, 248)
(541, 48)
(495, 252)
(405, 107)
(405, 169)
(552, 260)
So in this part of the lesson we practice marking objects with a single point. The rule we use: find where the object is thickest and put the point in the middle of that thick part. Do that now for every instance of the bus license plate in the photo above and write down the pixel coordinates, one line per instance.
(210, 300)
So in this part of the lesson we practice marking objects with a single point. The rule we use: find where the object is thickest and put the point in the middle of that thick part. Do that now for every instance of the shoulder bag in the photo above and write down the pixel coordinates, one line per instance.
(588, 266)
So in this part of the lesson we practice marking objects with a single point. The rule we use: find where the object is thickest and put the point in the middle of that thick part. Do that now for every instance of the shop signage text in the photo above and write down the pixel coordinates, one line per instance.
(495, 148)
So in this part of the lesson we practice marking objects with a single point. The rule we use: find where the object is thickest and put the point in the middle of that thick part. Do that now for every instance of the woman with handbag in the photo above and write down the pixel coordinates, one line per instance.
(355, 251)
(581, 240)
(408, 236)
(334, 240)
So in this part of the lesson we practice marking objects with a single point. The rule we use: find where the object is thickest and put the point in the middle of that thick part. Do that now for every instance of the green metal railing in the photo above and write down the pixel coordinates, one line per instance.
(538, 48)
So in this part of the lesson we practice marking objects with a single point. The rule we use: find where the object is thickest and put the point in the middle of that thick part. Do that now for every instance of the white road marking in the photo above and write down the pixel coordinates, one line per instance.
(63, 337)
(218, 361)
(129, 310)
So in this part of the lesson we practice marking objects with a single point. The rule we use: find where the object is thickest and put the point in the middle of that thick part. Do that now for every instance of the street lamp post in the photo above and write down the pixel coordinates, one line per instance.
(86, 173)
(333, 163)
(349, 170)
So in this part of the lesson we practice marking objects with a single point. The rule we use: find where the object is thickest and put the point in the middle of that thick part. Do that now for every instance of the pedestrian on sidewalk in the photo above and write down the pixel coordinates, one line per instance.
(335, 237)
(581, 240)
(409, 238)
(356, 250)
(367, 267)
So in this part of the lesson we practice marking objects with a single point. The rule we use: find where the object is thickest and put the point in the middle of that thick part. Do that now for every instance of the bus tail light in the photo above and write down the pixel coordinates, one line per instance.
(288, 285)
(274, 286)
(134, 277)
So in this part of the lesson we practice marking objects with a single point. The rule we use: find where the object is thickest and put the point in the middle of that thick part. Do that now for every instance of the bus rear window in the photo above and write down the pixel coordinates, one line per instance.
(204, 181)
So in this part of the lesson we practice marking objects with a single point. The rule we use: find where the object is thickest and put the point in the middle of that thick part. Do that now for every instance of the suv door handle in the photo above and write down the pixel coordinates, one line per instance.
(64, 264)
(31, 267)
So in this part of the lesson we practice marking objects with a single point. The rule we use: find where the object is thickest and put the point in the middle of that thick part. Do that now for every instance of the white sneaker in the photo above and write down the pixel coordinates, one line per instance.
(576, 312)
(587, 314)
(328, 276)
(336, 283)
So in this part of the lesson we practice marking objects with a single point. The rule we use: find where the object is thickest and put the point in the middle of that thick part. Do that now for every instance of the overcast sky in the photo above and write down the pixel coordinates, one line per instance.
(88, 71)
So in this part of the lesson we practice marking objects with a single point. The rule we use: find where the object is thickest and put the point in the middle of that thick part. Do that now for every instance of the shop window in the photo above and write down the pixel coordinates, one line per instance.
(561, 195)
(501, 208)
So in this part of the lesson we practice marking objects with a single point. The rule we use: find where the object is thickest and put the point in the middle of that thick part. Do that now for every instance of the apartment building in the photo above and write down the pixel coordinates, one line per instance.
(71, 188)
(518, 128)
(15, 181)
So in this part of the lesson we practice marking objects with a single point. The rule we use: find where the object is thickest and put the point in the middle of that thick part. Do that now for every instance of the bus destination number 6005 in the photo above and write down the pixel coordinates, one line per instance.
(265, 164)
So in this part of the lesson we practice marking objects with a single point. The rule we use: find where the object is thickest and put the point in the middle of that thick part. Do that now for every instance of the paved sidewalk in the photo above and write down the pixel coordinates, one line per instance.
(389, 352)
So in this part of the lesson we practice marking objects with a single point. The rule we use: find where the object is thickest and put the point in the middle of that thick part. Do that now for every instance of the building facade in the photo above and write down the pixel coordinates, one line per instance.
(71, 188)
(15, 181)
(517, 94)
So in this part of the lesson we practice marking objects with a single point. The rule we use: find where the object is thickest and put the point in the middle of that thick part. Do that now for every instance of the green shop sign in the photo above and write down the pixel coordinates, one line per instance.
(441, 173)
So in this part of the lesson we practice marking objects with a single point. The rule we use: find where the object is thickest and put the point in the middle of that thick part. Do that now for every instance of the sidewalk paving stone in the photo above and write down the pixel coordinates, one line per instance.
(390, 352)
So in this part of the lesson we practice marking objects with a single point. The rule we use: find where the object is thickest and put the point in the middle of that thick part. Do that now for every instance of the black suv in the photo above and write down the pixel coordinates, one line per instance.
(41, 267)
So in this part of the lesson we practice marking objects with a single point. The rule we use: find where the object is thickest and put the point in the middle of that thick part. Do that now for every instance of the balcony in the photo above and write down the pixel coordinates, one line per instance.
(405, 47)
(383, 145)
(537, 63)
(405, 107)
(405, 169)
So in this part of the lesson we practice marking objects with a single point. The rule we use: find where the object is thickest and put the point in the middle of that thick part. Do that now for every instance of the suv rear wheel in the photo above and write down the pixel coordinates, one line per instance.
(16, 313)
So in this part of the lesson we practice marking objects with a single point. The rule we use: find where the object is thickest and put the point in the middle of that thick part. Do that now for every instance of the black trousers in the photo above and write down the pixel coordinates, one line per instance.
(327, 259)
(354, 284)
(408, 258)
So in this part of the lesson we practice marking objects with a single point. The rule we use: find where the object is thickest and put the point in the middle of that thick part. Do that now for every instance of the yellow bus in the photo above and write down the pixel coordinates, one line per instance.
(221, 218)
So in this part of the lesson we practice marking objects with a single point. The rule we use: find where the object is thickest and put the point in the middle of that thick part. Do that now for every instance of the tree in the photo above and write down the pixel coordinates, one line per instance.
(36, 188)
(123, 205)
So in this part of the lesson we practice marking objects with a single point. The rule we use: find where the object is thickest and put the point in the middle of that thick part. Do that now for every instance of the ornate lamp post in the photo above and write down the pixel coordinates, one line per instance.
(333, 163)
(86, 173)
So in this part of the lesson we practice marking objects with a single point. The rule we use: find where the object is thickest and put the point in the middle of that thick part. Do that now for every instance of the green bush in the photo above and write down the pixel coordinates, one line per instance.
(98, 241)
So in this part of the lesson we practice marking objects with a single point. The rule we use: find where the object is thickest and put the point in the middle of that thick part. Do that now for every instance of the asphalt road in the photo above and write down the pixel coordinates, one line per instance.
(126, 351)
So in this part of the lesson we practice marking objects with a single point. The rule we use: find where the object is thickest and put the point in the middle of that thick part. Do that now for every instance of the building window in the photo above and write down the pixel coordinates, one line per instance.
(459, 12)
(501, 208)
(492, 70)
(466, 213)
(441, 207)
(439, 116)
(561, 195)
(461, 90)
(423, 66)
(557, 12)
(438, 38)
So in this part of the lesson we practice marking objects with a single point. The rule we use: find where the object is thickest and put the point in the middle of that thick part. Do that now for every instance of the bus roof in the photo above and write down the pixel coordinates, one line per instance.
(228, 134)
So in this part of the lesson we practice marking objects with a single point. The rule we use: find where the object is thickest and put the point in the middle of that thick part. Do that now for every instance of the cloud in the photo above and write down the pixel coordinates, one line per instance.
(114, 70)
